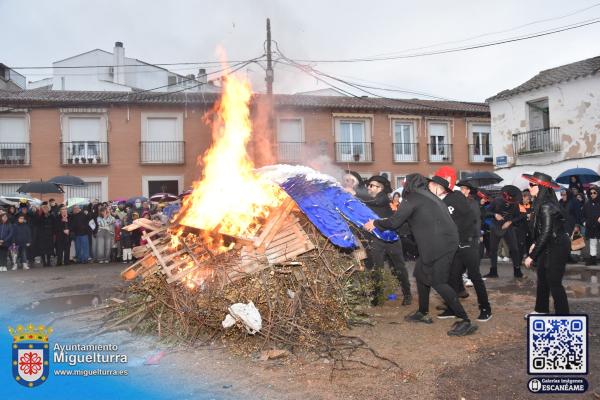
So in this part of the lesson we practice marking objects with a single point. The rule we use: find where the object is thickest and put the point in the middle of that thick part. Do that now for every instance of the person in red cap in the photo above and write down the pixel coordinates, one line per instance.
(466, 218)
(551, 244)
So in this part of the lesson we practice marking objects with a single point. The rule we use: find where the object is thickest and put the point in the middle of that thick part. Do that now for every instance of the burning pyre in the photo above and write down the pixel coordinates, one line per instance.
(238, 238)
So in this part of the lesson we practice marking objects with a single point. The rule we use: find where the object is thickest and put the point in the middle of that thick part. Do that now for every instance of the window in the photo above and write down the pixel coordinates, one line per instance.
(405, 148)
(480, 147)
(400, 181)
(158, 184)
(290, 138)
(539, 115)
(439, 147)
(162, 139)
(352, 144)
(14, 140)
(10, 188)
(91, 190)
(85, 140)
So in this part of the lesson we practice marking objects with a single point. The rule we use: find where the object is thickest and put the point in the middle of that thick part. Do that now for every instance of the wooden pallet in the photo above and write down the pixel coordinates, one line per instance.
(279, 240)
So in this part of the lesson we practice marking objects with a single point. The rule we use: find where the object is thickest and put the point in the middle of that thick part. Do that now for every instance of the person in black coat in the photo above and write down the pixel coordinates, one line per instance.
(378, 189)
(437, 239)
(22, 238)
(6, 237)
(505, 215)
(62, 232)
(591, 212)
(79, 229)
(45, 234)
(551, 244)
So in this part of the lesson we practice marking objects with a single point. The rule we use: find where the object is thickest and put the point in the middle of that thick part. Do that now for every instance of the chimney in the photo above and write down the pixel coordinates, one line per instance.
(119, 62)
(202, 76)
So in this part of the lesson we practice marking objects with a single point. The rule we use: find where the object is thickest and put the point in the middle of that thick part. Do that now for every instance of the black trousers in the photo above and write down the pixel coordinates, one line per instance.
(3, 256)
(441, 286)
(467, 257)
(550, 270)
(378, 250)
(63, 250)
(513, 248)
(522, 239)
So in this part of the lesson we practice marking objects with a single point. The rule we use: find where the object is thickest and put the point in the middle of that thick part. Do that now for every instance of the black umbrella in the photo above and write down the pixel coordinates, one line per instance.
(483, 178)
(67, 180)
(40, 187)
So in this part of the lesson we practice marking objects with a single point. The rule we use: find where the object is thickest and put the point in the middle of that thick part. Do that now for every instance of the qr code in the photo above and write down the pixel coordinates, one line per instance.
(557, 344)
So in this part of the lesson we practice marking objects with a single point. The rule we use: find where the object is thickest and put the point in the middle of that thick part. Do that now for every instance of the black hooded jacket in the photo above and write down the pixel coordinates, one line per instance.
(463, 216)
(380, 205)
(432, 227)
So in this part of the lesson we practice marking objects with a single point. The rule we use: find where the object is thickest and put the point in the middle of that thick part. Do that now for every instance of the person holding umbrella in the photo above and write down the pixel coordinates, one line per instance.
(551, 244)
(591, 212)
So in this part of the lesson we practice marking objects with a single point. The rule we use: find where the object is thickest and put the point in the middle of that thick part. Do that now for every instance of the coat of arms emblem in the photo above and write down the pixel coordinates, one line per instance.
(30, 354)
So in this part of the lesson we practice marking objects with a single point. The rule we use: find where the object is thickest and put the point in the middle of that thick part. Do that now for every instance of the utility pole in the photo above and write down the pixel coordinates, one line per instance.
(269, 72)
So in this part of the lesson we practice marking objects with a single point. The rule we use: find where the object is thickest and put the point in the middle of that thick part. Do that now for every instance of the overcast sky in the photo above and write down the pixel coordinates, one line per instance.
(36, 33)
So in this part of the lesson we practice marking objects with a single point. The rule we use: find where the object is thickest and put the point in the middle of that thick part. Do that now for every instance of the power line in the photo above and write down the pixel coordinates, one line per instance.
(539, 21)
(130, 65)
(459, 49)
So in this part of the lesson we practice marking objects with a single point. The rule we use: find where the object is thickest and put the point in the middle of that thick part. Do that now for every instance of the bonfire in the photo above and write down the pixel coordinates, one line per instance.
(241, 262)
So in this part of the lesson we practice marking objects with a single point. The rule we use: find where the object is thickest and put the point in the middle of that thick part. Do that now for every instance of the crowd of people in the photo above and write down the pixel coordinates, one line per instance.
(54, 234)
(460, 227)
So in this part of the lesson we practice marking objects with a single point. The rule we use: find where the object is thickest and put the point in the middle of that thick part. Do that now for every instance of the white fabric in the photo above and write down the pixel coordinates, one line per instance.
(247, 314)
(594, 247)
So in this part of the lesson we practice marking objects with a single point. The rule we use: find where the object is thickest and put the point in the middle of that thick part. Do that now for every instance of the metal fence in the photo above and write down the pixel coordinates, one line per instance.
(15, 154)
(480, 153)
(290, 151)
(537, 141)
(406, 152)
(441, 153)
(84, 153)
(354, 152)
(162, 152)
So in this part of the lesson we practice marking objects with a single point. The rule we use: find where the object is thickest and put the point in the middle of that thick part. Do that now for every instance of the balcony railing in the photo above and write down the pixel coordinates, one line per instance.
(480, 153)
(536, 141)
(290, 151)
(15, 154)
(354, 152)
(162, 152)
(84, 153)
(406, 152)
(441, 153)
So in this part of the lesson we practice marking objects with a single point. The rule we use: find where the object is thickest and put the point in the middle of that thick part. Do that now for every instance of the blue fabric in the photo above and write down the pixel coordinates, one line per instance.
(171, 210)
(328, 207)
(585, 175)
(82, 248)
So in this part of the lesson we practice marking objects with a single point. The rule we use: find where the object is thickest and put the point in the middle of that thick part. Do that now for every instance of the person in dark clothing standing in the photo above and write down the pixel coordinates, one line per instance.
(551, 245)
(467, 217)
(505, 212)
(378, 189)
(45, 237)
(522, 225)
(63, 237)
(591, 212)
(437, 239)
(6, 237)
(22, 239)
(80, 229)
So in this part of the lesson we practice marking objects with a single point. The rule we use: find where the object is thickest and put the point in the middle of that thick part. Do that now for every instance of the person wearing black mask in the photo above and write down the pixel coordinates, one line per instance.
(551, 244)
(505, 212)
(378, 188)
(437, 239)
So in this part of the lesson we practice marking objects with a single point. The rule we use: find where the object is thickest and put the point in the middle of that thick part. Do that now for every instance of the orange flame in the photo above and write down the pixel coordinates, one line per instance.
(230, 198)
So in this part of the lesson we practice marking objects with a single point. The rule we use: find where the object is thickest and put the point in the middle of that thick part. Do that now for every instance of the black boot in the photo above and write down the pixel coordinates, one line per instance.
(517, 272)
(492, 274)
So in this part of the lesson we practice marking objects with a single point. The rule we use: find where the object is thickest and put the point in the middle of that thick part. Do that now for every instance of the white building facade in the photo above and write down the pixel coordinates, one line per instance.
(99, 70)
(550, 123)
